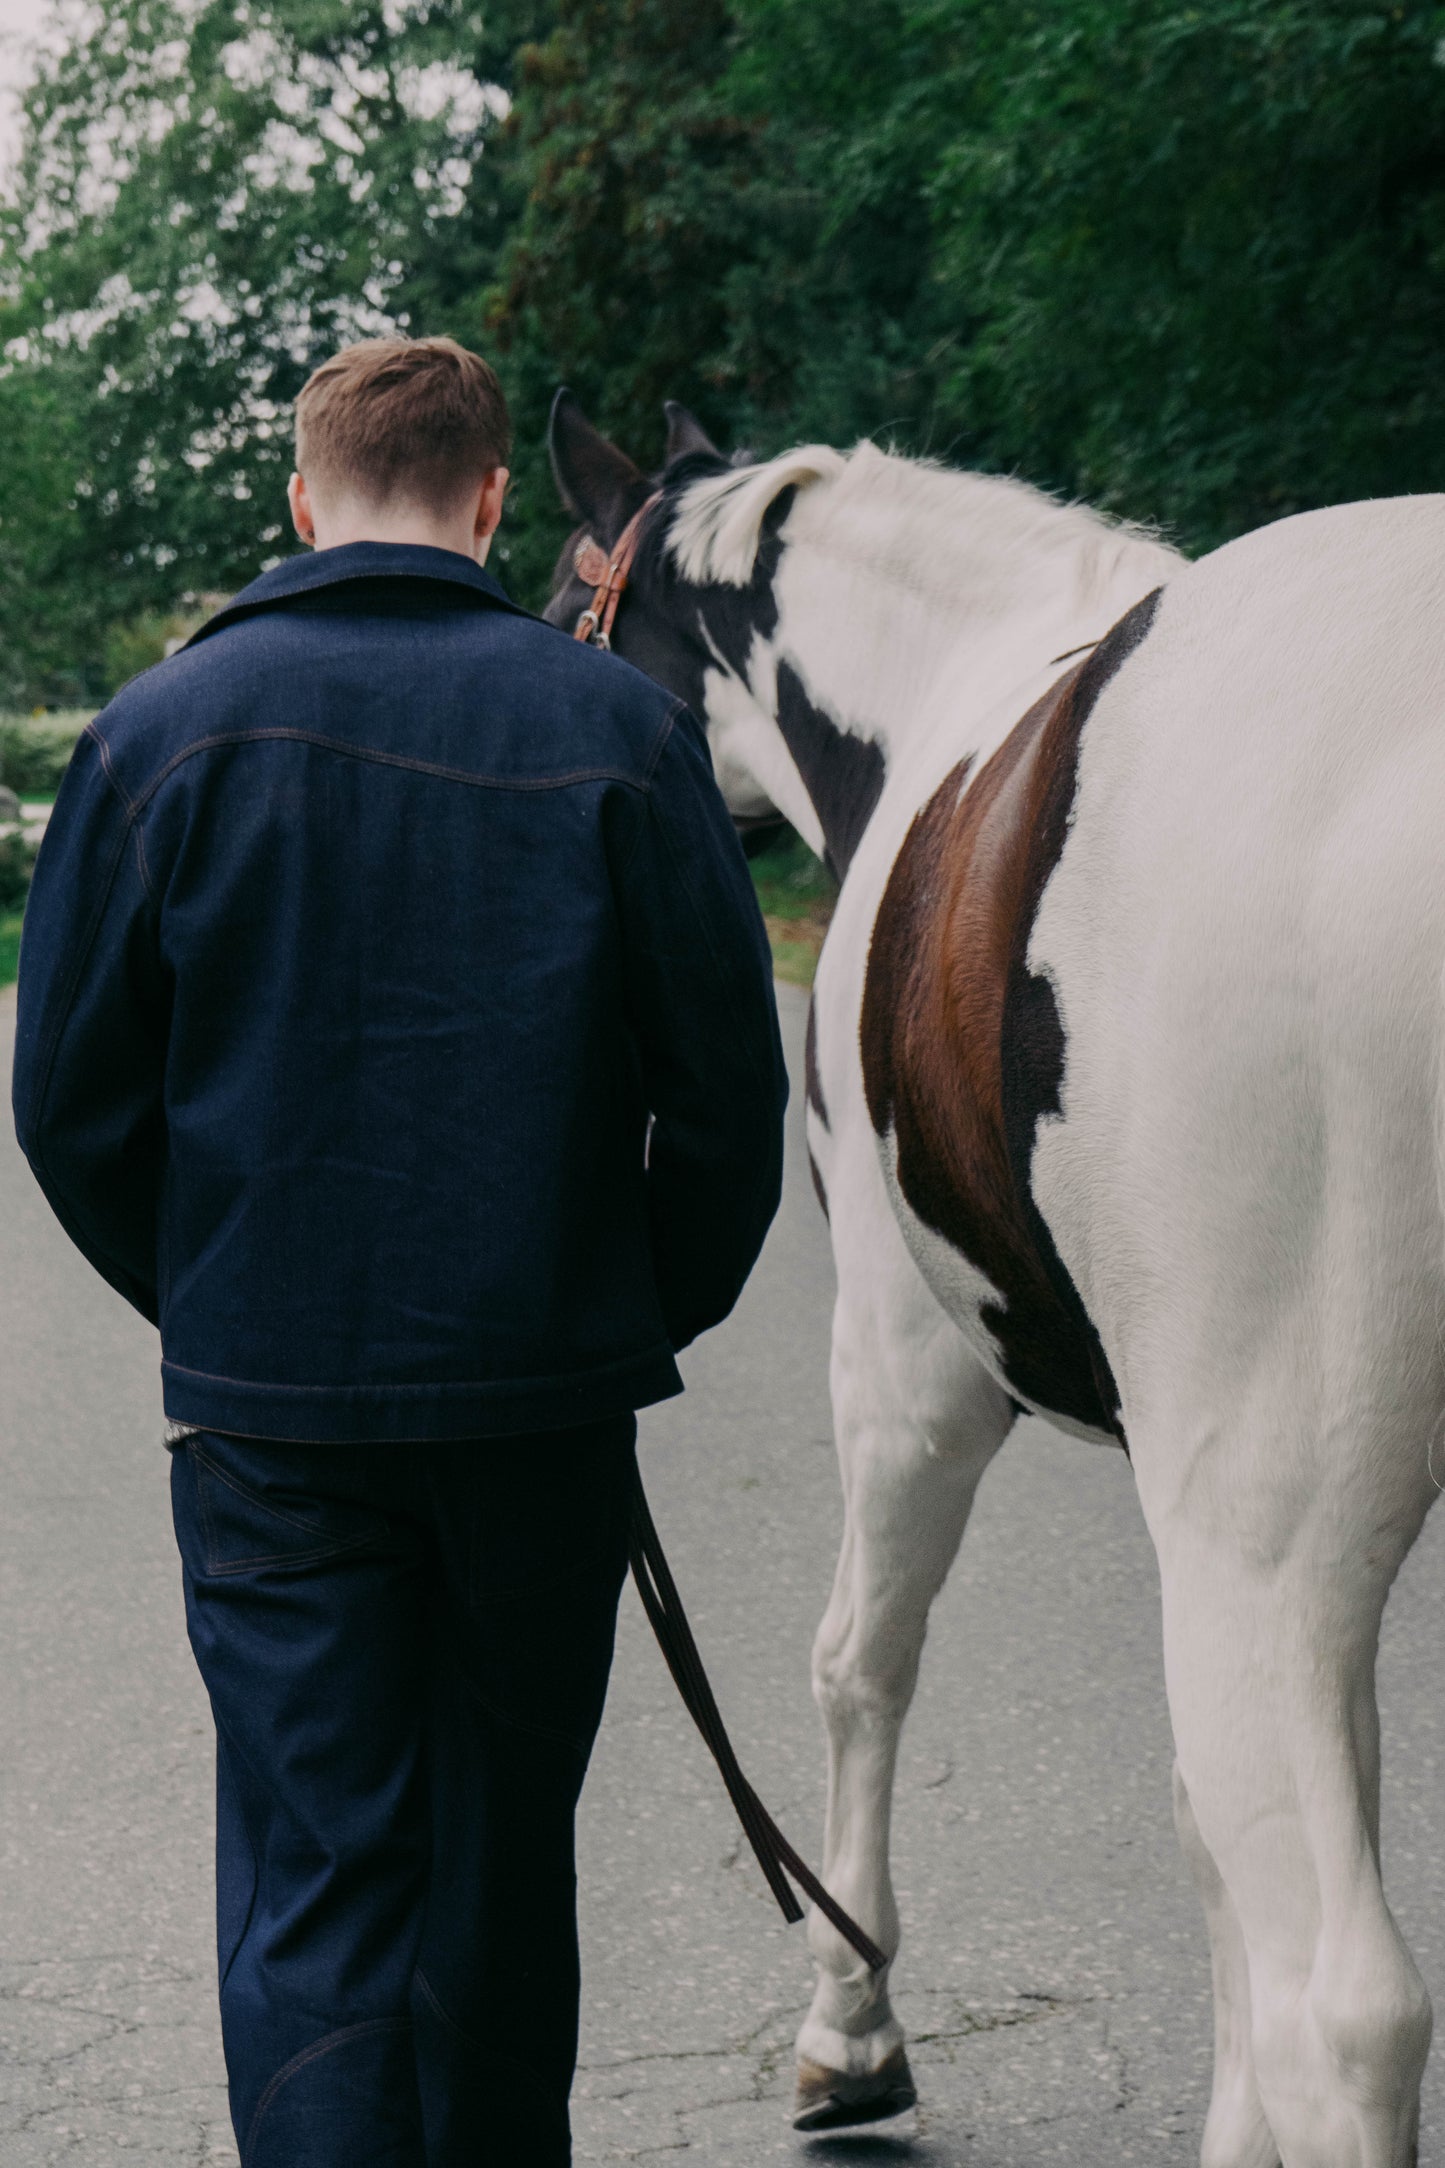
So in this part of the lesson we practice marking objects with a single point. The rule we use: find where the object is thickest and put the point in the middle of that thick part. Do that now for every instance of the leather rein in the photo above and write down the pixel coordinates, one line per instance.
(607, 575)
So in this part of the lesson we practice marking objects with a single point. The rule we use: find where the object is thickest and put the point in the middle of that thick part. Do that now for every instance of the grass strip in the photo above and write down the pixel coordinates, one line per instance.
(797, 896)
(9, 946)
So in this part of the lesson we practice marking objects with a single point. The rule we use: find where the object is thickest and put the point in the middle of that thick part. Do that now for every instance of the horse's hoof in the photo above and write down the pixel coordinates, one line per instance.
(830, 2100)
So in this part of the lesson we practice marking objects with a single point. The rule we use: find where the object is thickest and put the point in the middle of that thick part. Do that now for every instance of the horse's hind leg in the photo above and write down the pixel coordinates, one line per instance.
(917, 1422)
(1236, 2132)
(1275, 1566)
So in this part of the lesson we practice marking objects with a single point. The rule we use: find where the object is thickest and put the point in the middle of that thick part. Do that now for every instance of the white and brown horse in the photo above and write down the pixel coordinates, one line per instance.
(1125, 1102)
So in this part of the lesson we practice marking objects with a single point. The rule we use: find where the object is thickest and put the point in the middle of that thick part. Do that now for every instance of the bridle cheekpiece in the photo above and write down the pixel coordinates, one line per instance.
(607, 576)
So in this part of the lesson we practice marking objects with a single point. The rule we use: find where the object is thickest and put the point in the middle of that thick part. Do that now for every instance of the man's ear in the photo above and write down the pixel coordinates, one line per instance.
(599, 484)
(490, 500)
(302, 518)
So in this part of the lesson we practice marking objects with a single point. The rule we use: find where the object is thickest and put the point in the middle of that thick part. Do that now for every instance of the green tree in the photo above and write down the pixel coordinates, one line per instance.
(42, 535)
(1182, 260)
(635, 184)
(706, 213)
(209, 199)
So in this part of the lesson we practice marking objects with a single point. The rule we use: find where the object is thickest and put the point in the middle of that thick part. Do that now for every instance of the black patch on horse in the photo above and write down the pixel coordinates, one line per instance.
(1033, 1044)
(842, 774)
(813, 1082)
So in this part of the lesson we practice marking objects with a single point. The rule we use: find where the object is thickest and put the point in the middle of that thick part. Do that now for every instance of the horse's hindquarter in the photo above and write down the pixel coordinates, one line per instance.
(961, 1050)
(1244, 936)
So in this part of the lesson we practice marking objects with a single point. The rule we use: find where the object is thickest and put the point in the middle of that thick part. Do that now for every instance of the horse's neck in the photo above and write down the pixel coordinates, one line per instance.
(925, 610)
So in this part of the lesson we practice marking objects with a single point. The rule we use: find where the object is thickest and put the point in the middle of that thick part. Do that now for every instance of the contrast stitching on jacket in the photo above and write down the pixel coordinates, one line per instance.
(497, 1386)
(679, 707)
(285, 735)
(110, 775)
(142, 866)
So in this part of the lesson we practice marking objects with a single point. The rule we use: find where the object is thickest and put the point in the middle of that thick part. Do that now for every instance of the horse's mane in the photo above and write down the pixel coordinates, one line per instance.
(914, 516)
(716, 527)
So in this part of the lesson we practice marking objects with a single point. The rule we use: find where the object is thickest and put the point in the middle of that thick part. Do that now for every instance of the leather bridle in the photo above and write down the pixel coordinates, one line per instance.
(607, 575)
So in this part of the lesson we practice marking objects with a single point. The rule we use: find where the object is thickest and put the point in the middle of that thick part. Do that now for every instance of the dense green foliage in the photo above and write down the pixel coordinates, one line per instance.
(1185, 261)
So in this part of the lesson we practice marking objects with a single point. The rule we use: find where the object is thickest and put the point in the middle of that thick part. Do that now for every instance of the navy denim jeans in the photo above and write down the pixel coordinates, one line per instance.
(406, 1649)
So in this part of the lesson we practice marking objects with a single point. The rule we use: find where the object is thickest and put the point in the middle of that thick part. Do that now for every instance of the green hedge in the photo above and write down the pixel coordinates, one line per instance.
(35, 750)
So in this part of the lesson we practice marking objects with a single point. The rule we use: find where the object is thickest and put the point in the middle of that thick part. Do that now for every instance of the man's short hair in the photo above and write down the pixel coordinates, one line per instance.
(422, 420)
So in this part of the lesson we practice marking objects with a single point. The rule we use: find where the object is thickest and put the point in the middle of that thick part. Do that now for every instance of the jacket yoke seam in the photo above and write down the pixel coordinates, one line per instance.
(374, 754)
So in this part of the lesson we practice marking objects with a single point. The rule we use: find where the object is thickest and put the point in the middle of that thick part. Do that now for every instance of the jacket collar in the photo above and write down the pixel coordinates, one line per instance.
(359, 561)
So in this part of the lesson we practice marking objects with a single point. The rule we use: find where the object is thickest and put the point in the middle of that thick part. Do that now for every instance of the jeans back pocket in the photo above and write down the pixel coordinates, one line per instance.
(256, 1507)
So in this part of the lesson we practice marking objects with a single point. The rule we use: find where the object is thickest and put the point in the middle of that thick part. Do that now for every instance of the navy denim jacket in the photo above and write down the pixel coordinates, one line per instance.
(368, 933)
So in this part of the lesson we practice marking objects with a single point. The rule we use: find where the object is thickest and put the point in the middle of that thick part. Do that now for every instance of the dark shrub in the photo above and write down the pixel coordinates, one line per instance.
(16, 859)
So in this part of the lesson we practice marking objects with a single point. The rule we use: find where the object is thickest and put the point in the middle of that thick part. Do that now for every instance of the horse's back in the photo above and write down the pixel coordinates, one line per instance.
(1245, 933)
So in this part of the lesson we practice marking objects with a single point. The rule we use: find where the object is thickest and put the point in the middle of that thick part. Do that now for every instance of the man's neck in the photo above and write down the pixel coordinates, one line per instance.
(412, 526)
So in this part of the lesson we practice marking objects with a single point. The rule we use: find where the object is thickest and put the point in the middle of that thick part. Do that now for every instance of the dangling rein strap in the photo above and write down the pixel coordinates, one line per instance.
(663, 1606)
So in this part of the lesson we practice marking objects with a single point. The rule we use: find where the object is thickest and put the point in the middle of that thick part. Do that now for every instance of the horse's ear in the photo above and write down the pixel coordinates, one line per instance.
(599, 484)
(685, 434)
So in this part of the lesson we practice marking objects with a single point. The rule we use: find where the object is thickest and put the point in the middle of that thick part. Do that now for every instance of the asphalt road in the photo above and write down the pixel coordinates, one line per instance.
(1053, 1976)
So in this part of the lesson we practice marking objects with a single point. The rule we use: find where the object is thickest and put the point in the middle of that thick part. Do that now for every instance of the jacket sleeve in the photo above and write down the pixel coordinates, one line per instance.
(90, 1031)
(700, 987)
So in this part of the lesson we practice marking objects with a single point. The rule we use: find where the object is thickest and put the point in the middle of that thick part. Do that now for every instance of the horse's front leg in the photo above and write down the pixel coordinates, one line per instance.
(917, 1421)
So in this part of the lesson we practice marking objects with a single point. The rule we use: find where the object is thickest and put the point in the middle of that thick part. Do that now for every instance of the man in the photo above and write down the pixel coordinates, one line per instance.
(370, 934)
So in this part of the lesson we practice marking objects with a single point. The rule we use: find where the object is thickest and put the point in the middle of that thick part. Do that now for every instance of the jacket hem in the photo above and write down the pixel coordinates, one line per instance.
(415, 1414)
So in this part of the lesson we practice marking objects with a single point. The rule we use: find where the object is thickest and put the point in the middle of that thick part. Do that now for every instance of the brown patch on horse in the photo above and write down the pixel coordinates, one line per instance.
(963, 1047)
